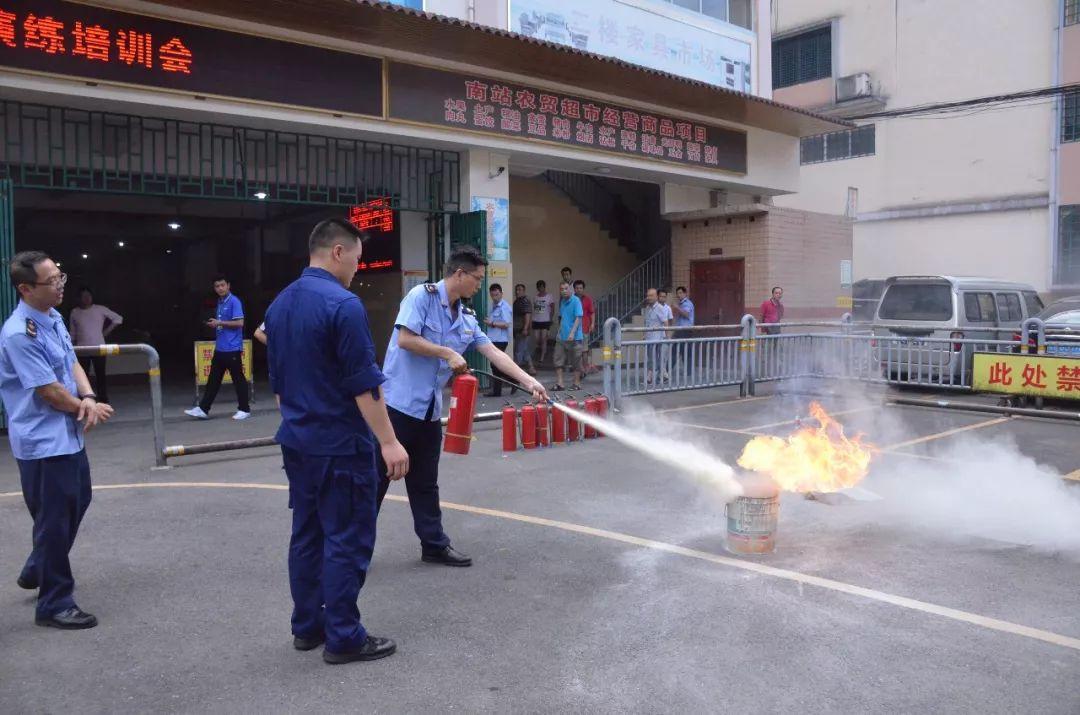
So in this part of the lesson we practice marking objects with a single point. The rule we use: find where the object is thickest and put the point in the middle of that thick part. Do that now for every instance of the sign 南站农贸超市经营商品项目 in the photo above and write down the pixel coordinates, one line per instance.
(450, 99)
(86, 41)
(1035, 375)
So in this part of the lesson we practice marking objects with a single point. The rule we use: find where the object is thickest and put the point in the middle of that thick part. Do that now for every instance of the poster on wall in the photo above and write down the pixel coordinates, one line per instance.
(638, 35)
(498, 226)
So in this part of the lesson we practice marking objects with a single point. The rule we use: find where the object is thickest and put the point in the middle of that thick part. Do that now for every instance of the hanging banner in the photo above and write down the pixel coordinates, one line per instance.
(449, 99)
(644, 36)
(91, 42)
(498, 225)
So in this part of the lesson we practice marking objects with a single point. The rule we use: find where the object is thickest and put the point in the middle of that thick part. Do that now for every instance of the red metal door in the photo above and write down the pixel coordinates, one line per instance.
(717, 289)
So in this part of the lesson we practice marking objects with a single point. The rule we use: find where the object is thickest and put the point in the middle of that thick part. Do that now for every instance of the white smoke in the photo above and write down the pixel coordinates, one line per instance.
(684, 457)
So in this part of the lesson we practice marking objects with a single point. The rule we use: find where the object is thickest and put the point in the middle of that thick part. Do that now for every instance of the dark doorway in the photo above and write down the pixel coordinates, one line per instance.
(717, 289)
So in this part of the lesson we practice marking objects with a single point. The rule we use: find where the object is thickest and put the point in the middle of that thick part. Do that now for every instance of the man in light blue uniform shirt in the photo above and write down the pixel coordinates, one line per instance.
(49, 403)
(228, 354)
(684, 318)
(499, 321)
(432, 330)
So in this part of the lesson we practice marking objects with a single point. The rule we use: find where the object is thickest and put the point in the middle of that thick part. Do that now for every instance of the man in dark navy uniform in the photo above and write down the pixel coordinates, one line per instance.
(49, 403)
(333, 424)
(432, 330)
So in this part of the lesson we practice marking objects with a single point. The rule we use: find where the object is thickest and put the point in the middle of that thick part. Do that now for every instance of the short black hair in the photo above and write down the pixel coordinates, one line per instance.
(776, 288)
(464, 258)
(681, 288)
(566, 269)
(540, 284)
(579, 282)
(519, 285)
(332, 231)
(495, 286)
(662, 290)
(23, 267)
(221, 277)
(86, 289)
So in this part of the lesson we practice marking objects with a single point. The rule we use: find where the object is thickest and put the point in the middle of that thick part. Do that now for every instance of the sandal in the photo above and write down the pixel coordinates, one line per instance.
(557, 387)
(575, 387)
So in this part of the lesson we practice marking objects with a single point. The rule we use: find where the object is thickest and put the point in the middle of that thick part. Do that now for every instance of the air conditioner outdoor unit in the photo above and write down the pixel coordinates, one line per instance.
(853, 86)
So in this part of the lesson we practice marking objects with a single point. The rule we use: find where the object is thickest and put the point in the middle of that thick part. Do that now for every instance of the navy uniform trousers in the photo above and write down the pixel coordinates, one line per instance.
(422, 439)
(57, 493)
(333, 502)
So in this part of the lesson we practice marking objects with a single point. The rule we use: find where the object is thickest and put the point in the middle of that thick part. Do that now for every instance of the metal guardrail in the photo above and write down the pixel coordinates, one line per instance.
(741, 355)
(153, 371)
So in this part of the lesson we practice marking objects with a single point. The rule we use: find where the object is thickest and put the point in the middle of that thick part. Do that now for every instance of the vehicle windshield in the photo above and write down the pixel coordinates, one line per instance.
(1071, 317)
(917, 301)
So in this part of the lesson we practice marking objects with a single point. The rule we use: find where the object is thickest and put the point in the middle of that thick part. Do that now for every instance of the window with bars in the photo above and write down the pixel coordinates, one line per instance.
(846, 144)
(1070, 116)
(1072, 12)
(1068, 268)
(802, 58)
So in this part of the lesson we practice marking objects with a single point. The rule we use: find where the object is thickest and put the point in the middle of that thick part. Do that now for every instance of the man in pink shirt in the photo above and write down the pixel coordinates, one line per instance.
(772, 310)
(90, 325)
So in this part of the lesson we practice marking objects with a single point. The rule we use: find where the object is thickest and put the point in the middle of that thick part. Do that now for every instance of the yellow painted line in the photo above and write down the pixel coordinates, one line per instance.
(949, 433)
(758, 568)
(734, 401)
(841, 413)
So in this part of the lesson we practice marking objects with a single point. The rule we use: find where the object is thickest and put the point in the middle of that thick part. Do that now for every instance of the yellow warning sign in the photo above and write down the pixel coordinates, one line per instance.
(204, 354)
(1036, 375)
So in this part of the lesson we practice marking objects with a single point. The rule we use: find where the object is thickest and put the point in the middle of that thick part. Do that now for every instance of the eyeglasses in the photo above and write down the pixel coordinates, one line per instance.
(474, 276)
(56, 281)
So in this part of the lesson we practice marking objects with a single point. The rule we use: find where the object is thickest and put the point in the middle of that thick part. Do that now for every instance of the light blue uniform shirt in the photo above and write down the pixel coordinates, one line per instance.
(229, 340)
(501, 313)
(688, 306)
(414, 381)
(36, 350)
(570, 309)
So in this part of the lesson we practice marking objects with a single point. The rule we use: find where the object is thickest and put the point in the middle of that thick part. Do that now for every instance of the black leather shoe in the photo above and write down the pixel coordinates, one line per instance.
(447, 557)
(373, 649)
(30, 584)
(307, 643)
(70, 619)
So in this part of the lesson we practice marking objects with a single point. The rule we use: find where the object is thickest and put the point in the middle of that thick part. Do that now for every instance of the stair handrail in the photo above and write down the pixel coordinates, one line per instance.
(627, 294)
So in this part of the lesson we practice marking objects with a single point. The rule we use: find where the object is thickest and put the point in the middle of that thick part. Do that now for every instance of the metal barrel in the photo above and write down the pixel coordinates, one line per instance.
(751, 522)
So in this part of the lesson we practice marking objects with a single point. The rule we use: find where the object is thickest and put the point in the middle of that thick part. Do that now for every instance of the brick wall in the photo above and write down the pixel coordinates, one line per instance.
(798, 250)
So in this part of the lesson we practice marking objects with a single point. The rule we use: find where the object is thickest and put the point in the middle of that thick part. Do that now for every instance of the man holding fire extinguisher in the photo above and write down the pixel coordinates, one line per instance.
(432, 330)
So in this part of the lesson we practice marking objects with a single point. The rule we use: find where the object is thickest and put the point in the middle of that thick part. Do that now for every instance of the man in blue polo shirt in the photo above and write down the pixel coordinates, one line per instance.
(228, 354)
(570, 347)
(333, 424)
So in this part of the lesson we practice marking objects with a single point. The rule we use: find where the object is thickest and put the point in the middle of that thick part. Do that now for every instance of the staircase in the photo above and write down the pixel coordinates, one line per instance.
(611, 204)
(627, 295)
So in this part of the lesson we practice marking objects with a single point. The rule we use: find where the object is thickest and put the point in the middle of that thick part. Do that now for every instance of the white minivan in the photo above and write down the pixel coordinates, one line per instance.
(919, 317)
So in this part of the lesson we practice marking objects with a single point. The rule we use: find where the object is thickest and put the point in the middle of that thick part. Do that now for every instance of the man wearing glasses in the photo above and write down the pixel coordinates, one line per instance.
(432, 330)
(49, 404)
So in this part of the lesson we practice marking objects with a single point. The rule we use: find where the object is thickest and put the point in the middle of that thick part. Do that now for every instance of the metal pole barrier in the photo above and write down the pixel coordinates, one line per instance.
(747, 350)
(616, 396)
(153, 371)
(180, 450)
(608, 354)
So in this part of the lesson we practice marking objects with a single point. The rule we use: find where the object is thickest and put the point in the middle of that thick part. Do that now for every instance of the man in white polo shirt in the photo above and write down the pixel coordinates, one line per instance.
(90, 325)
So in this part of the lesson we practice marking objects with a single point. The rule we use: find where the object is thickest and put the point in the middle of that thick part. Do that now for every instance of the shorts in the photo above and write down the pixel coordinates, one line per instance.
(537, 325)
(573, 350)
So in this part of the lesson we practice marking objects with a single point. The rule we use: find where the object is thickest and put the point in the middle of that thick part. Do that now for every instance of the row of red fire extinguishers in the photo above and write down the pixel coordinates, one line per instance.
(539, 425)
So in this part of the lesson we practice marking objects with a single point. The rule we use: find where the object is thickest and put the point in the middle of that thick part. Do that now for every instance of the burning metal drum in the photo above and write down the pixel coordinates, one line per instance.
(752, 518)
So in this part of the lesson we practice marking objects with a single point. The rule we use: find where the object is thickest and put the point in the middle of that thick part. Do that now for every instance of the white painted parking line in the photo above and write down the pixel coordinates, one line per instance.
(841, 413)
(948, 433)
(733, 401)
(912, 604)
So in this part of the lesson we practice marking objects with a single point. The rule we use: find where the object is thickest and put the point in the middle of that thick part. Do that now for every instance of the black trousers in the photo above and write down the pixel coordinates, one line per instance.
(222, 361)
(422, 439)
(100, 381)
(57, 493)
(496, 386)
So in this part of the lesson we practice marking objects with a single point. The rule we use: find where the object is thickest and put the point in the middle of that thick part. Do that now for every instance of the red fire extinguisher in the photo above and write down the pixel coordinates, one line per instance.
(528, 427)
(460, 422)
(572, 433)
(591, 406)
(558, 426)
(509, 426)
(542, 439)
(601, 410)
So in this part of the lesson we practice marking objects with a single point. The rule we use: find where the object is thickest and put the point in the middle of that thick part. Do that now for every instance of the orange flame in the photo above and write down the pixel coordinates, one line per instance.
(812, 459)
